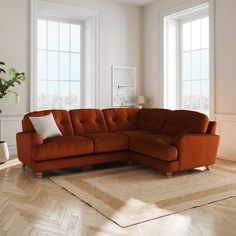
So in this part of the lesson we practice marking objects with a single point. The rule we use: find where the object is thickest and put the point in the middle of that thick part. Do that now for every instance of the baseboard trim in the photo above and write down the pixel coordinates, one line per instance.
(227, 154)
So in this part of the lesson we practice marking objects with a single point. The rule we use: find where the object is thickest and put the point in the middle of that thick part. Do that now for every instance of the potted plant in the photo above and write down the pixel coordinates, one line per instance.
(7, 84)
(6, 91)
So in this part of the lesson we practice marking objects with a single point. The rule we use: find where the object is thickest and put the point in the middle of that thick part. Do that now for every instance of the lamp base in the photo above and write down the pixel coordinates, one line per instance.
(4, 153)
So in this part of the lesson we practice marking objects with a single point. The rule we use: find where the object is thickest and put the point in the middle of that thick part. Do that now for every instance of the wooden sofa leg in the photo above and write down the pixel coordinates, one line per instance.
(168, 174)
(39, 175)
(207, 168)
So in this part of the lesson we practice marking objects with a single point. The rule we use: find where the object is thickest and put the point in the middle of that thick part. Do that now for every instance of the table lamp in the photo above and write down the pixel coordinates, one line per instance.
(140, 101)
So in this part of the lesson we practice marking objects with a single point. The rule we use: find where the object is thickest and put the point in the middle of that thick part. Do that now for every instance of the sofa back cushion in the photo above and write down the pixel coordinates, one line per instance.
(182, 121)
(153, 119)
(120, 119)
(87, 121)
(62, 119)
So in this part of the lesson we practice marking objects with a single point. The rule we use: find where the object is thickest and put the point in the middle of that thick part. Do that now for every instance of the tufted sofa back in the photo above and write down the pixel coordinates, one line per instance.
(162, 121)
(86, 121)
(153, 119)
(62, 118)
(182, 121)
(121, 119)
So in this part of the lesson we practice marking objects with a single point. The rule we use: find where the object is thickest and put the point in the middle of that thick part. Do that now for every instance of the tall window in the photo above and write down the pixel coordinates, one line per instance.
(195, 64)
(186, 59)
(58, 65)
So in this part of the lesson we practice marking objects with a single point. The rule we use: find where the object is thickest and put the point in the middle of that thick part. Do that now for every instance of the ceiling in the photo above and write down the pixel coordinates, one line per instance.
(136, 2)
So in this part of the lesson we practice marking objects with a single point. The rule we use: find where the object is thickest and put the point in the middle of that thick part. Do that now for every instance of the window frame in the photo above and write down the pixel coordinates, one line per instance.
(173, 11)
(91, 53)
(62, 20)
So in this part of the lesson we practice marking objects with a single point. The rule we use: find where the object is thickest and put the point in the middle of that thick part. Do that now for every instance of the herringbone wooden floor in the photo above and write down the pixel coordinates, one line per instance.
(30, 206)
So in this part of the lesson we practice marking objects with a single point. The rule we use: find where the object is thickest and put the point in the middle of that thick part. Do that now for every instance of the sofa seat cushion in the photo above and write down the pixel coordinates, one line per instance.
(134, 133)
(108, 142)
(157, 146)
(62, 147)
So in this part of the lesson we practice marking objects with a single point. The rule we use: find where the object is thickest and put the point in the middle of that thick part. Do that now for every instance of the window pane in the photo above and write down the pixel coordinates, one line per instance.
(42, 34)
(53, 65)
(196, 95)
(196, 69)
(64, 89)
(58, 65)
(42, 65)
(52, 35)
(64, 37)
(187, 94)
(41, 88)
(187, 66)
(75, 66)
(205, 32)
(41, 94)
(75, 38)
(75, 95)
(196, 35)
(205, 64)
(205, 94)
(205, 87)
(64, 66)
(52, 87)
(64, 95)
(186, 36)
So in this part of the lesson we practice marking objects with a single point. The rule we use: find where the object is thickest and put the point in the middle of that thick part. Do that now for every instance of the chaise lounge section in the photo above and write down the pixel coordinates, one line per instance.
(159, 138)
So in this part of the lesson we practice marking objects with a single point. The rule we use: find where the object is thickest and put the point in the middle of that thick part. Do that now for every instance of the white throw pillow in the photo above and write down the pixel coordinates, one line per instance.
(45, 126)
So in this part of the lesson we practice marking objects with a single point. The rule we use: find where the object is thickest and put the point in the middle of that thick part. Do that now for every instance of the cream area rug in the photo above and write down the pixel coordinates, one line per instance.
(131, 195)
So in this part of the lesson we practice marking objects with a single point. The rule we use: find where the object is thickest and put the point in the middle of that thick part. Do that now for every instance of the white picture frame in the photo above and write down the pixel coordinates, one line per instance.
(123, 86)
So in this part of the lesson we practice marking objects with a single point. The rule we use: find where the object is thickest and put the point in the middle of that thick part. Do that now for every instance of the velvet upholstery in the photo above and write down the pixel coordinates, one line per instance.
(122, 119)
(87, 121)
(166, 166)
(159, 138)
(134, 133)
(108, 142)
(62, 119)
(196, 149)
(211, 129)
(182, 121)
(76, 161)
(62, 146)
(156, 146)
(153, 119)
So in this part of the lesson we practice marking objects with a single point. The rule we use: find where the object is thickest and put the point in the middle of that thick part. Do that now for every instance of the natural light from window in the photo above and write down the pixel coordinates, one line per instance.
(195, 65)
(58, 65)
(186, 59)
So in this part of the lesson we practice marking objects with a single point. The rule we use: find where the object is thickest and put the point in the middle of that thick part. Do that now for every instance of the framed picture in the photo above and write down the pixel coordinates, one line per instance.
(123, 86)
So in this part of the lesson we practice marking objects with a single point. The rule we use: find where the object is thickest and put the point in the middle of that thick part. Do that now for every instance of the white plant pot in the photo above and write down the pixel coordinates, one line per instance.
(4, 153)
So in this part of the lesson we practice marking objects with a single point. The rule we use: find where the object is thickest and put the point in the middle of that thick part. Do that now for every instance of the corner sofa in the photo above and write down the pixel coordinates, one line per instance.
(160, 138)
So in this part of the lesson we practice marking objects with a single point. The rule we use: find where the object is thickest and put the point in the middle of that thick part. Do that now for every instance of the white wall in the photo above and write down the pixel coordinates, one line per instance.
(120, 43)
(225, 69)
(120, 30)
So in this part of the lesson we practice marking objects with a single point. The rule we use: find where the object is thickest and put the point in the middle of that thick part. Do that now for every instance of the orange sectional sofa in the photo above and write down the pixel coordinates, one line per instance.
(160, 138)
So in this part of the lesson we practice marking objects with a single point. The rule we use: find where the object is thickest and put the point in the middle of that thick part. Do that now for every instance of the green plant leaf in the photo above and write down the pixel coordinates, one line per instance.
(12, 73)
(2, 70)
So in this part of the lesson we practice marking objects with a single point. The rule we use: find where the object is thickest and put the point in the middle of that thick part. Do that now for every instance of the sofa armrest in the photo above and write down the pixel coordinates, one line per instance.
(25, 141)
(195, 150)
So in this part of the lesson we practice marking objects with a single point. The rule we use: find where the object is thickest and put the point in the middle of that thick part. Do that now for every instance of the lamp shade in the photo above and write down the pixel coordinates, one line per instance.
(140, 99)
